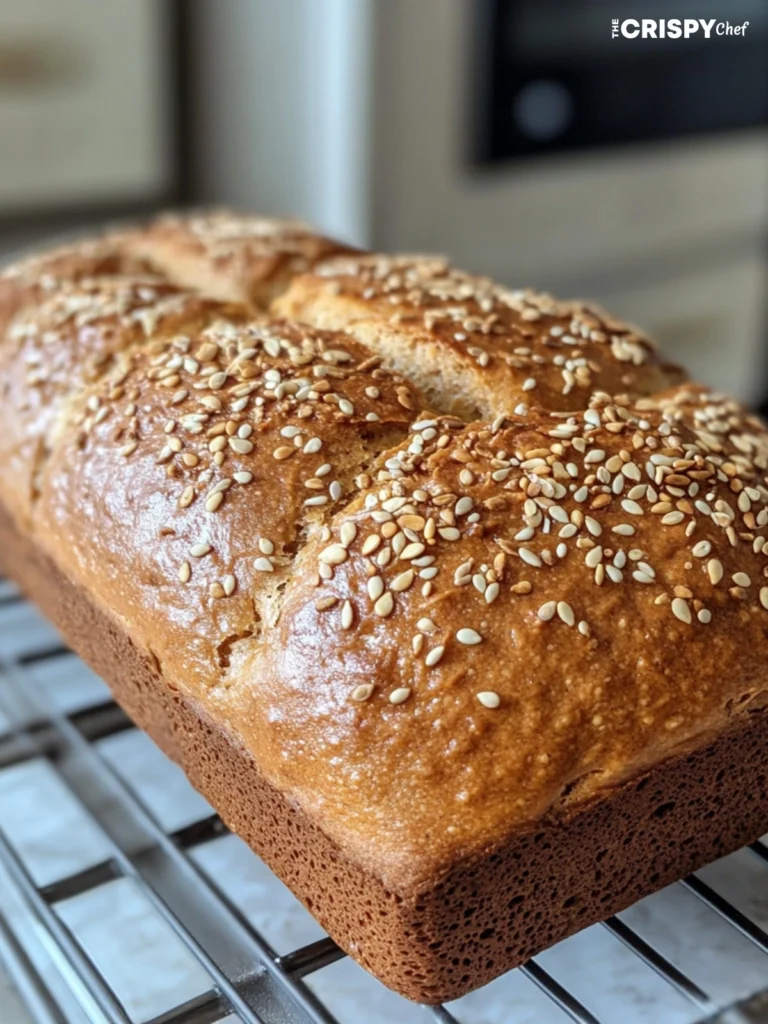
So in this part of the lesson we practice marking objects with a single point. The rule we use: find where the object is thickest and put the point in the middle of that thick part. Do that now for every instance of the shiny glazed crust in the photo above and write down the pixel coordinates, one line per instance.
(459, 683)
(488, 913)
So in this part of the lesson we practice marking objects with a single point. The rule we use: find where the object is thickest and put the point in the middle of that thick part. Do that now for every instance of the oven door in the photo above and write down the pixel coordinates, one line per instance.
(556, 75)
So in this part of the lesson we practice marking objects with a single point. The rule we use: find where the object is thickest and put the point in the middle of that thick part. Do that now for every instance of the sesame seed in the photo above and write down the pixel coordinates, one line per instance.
(547, 611)
(741, 579)
(348, 533)
(642, 577)
(362, 692)
(467, 636)
(334, 554)
(681, 610)
(283, 452)
(702, 549)
(593, 557)
(529, 557)
(229, 582)
(200, 550)
(434, 656)
(266, 547)
(412, 551)
(240, 445)
(263, 565)
(529, 384)
(764, 597)
(565, 613)
(403, 581)
(715, 570)
(401, 694)
(347, 615)
(489, 699)
(631, 507)
(385, 605)
(624, 529)
(214, 501)
(185, 571)
(672, 518)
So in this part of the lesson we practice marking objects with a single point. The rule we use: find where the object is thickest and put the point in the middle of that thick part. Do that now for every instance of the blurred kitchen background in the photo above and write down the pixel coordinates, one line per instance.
(515, 135)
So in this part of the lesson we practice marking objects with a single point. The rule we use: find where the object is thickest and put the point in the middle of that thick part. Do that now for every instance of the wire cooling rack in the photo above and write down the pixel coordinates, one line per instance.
(124, 899)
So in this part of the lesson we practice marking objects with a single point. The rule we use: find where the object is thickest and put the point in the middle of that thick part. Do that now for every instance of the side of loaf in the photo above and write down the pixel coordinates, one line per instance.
(429, 585)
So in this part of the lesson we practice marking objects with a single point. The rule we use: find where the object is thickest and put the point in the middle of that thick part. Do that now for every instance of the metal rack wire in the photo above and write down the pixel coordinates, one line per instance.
(238, 974)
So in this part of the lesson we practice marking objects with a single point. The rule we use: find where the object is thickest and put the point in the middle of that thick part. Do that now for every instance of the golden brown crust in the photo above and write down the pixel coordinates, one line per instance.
(31, 279)
(231, 257)
(543, 596)
(509, 902)
(409, 644)
(486, 349)
(68, 340)
(210, 453)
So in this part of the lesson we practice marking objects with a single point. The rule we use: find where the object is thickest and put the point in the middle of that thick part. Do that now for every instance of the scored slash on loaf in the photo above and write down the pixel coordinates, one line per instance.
(427, 583)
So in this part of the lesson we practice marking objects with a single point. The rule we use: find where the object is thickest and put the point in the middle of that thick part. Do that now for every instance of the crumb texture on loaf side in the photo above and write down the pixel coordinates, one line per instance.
(475, 348)
(426, 639)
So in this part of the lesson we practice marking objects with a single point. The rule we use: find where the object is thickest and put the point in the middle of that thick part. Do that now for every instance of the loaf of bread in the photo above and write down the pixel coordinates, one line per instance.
(452, 600)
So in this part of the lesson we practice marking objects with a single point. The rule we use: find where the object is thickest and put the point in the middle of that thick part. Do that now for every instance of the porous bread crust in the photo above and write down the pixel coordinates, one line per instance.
(475, 348)
(231, 257)
(405, 788)
(488, 913)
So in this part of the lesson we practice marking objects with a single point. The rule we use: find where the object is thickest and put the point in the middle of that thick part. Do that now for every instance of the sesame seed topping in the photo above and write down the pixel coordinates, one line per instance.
(489, 699)
(681, 610)
(214, 501)
(362, 692)
(400, 695)
(715, 570)
(468, 636)
(334, 554)
(240, 445)
(434, 656)
(547, 611)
